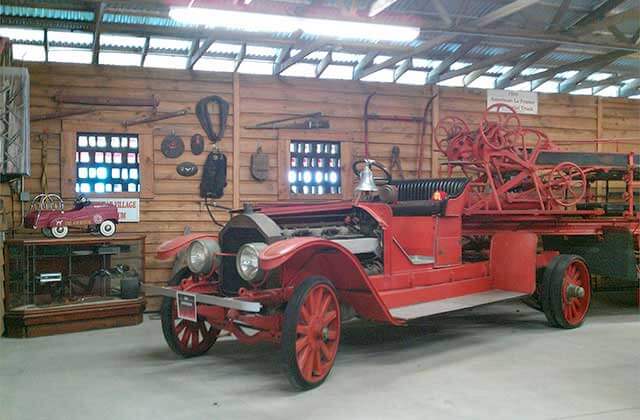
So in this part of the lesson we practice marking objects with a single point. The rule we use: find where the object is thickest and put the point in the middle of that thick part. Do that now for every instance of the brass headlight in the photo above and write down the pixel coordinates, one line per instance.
(202, 256)
(247, 261)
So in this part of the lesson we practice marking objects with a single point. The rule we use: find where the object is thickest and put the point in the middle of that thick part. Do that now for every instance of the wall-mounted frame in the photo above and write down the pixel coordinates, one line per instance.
(341, 150)
(71, 129)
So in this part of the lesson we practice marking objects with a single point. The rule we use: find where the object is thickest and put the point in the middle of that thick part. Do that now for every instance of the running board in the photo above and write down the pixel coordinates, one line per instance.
(420, 310)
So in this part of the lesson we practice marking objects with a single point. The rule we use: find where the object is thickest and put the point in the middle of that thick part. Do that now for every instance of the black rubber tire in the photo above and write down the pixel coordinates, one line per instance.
(290, 335)
(167, 319)
(543, 293)
(555, 290)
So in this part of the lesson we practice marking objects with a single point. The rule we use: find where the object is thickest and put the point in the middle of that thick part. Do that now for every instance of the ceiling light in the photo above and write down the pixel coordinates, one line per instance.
(260, 22)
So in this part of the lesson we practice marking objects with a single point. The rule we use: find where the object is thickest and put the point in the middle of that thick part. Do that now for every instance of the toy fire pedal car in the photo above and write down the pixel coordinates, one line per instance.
(402, 250)
(47, 213)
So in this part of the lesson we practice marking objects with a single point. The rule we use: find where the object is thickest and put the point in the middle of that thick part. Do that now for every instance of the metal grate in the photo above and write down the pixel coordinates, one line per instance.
(14, 121)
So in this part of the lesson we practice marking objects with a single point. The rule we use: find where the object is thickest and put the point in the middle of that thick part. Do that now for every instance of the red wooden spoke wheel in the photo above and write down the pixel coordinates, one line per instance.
(185, 338)
(566, 291)
(567, 184)
(461, 148)
(499, 124)
(311, 333)
(448, 129)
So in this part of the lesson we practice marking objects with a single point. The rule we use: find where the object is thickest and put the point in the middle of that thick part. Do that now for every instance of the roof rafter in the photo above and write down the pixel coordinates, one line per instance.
(505, 79)
(633, 13)
(363, 63)
(379, 6)
(323, 64)
(550, 73)
(199, 52)
(442, 12)
(305, 51)
(586, 71)
(504, 11)
(240, 57)
(486, 63)
(596, 14)
(558, 18)
(630, 89)
(402, 69)
(422, 48)
(97, 27)
(434, 75)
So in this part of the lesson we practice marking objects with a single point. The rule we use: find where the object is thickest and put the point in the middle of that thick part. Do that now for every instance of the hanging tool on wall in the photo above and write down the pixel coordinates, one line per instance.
(204, 116)
(155, 117)
(197, 144)
(214, 176)
(368, 116)
(395, 162)
(44, 162)
(310, 121)
(61, 114)
(259, 165)
(172, 146)
(151, 101)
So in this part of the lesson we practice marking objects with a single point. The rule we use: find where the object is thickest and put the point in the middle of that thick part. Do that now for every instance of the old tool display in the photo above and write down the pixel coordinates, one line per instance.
(204, 116)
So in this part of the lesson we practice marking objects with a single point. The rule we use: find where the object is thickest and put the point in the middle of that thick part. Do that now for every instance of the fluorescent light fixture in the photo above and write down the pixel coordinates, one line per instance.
(260, 22)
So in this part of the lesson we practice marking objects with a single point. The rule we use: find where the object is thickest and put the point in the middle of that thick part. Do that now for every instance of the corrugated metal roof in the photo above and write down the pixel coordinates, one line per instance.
(42, 13)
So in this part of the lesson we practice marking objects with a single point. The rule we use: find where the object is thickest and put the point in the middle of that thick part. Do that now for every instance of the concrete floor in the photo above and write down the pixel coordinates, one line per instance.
(496, 362)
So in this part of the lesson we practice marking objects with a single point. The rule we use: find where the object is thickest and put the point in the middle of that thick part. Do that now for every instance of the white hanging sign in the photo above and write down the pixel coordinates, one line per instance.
(522, 102)
(128, 208)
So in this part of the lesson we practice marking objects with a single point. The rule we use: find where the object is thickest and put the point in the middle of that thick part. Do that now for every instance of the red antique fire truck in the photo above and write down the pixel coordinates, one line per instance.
(517, 217)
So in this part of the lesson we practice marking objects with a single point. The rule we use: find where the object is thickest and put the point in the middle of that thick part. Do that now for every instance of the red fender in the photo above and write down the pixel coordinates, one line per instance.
(171, 247)
(299, 258)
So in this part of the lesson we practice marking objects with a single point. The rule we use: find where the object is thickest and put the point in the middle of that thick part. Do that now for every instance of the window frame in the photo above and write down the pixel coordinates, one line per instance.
(285, 137)
(68, 168)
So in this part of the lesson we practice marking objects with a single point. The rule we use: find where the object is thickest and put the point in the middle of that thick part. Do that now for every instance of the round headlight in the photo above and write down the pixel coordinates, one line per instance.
(247, 261)
(201, 256)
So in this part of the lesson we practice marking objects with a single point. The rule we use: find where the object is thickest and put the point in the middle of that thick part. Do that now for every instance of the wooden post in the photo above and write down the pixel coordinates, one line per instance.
(236, 140)
(435, 117)
(599, 115)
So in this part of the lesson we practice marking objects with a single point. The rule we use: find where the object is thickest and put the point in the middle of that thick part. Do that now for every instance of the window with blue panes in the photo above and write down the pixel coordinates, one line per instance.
(315, 167)
(107, 163)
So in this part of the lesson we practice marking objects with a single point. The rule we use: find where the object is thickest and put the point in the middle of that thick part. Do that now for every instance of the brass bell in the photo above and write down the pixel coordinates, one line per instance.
(367, 183)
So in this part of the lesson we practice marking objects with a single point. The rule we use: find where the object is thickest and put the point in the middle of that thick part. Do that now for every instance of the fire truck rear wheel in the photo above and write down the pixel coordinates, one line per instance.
(185, 338)
(311, 333)
(107, 228)
(59, 232)
(566, 291)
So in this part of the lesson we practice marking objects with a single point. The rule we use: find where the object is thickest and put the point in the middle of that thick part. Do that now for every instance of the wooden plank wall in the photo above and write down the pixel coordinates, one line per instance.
(176, 203)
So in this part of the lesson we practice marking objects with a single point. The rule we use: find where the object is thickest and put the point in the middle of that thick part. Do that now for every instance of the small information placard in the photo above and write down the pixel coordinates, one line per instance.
(128, 208)
(522, 102)
(187, 308)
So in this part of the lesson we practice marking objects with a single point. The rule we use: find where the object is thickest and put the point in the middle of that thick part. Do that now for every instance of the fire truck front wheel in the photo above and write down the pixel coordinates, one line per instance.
(59, 232)
(107, 228)
(311, 333)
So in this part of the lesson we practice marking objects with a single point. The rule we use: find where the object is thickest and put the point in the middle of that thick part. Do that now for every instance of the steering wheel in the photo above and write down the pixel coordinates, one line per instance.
(379, 180)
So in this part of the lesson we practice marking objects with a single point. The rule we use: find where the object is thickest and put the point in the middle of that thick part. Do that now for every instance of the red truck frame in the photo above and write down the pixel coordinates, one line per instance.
(521, 223)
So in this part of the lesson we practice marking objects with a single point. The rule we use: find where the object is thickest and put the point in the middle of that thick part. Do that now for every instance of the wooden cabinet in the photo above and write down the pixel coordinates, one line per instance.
(55, 286)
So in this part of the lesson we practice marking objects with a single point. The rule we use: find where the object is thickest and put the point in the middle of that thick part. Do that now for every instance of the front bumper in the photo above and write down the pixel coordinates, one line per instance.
(224, 302)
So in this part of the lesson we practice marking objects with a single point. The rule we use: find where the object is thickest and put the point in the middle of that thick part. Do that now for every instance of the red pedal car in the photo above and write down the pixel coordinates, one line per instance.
(47, 213)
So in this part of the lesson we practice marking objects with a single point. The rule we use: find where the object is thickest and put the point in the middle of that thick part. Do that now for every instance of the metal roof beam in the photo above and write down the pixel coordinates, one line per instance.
(505, 79)
(422, 48)
(240, 57)
(630, 89)
(323, 64)
(548, 74)
(630, 14)
(469, 78)
(298, 57)
(558, 17)
(504, 11)
(588, 84)
(570, 83)
(196, 54)
(97, 26)
(442, 12)
(486, 63)
(363, 63)
(379, 6)
(434, 75)
(145, 51)
(596, 14)
(401, 69)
